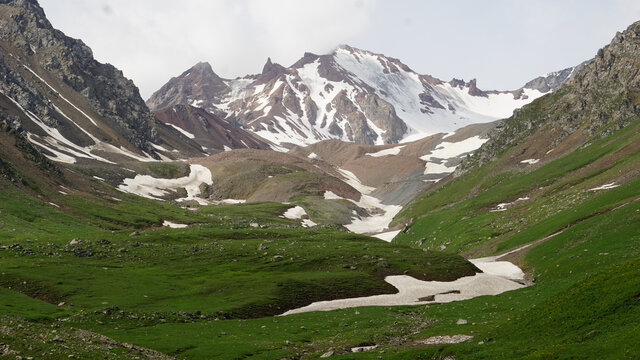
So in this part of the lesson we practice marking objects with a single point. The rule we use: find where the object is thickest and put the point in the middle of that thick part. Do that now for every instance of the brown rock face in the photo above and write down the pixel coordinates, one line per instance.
(383, 115)
(199, 83)
(210, 131)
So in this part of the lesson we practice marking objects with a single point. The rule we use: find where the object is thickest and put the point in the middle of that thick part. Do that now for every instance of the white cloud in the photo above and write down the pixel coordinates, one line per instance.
(502, 43)
(154, 40)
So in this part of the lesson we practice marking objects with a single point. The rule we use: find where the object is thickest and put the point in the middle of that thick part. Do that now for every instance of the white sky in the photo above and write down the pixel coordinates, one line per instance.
(502, 43)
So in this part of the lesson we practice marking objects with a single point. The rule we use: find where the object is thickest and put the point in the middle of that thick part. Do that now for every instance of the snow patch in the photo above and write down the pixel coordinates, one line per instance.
(60, 95)
(605, 187)
(387, 236)
(391, 151)
(154, 188)
(296, 212)
(378, 221)
(497, 277)
(183, 131)
(503, 206)
(351, 179)
(530, 161)
(330, 195)
(228, 202)
(436, 159)
(308, 223)
(174, 225)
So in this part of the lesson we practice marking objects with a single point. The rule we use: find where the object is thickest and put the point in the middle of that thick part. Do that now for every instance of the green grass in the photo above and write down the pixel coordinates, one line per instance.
(118, 271)
(211, 290)
(556, 188)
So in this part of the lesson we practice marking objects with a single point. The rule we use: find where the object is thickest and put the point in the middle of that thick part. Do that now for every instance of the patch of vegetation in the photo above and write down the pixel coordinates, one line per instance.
(167, 170)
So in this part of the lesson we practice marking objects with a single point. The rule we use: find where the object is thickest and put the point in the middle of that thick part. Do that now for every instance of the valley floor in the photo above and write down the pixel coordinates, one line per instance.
(86, 275)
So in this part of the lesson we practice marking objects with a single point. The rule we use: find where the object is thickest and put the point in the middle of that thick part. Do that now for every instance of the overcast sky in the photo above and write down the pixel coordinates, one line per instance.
(502, 43)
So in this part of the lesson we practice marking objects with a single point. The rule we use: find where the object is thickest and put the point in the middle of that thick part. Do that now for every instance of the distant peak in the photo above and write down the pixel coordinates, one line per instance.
(202, 68)
(354, 50)
(346, 47)
(272, 68)
(202, 65)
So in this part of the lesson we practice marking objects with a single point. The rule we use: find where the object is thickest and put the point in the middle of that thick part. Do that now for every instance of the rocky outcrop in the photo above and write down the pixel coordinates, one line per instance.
(604, 96)
(552, 81)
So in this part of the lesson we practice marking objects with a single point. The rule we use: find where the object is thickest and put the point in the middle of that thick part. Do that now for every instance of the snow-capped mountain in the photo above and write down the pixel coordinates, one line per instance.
(350, 94)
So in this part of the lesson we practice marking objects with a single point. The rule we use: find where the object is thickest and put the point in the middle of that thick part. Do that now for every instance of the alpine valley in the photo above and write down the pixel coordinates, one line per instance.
(343, 207)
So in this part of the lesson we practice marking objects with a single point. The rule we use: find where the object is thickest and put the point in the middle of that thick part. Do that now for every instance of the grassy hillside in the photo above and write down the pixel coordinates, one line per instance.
(583, 256)
(88, 271)
(103, 263)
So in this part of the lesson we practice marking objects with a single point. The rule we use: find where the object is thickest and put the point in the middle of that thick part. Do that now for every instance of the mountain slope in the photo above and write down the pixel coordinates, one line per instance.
(601, 98)
(208, 130)
(350, 94)
(555, 189)
(68, 104)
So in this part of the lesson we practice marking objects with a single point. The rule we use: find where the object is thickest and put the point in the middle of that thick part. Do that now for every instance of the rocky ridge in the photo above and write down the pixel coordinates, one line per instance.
(73, 107)
(604, 96)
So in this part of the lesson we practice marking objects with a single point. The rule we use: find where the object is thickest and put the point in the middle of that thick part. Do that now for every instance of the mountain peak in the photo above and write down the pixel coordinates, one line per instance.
(202, 68)
(271, 67)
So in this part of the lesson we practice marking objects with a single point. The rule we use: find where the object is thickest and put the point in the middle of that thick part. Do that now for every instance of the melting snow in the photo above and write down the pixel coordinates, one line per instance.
(308, 223)
(447, 150)
(378, 221)
(411, 290)
(158, 147)
(351, 179)
(312, 156)
(154, 188)
(296, 212)
(174, 225)
(330, 195)
(497, 277)
(387, 236)
(228, 202)
(503, 206)
(381, 214)
(391, 151)
(530, 161)
(605, 187)
(183, 131)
